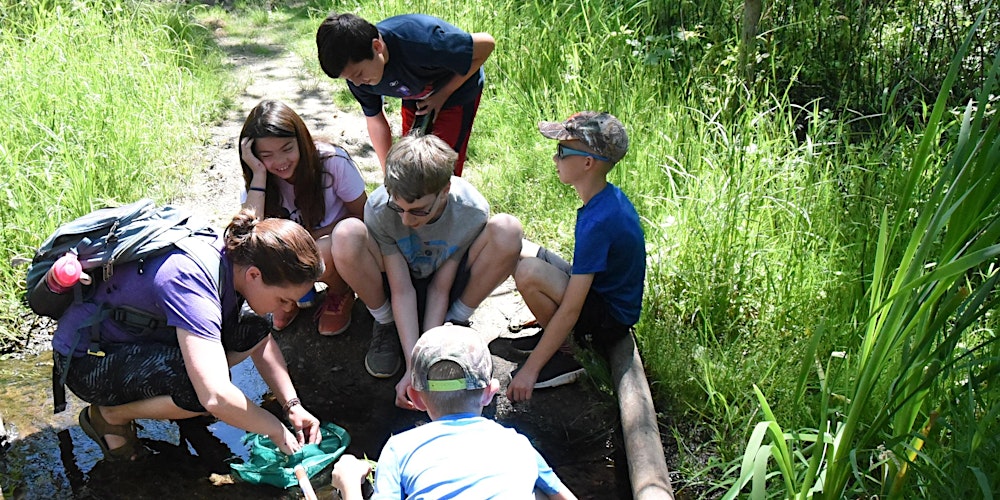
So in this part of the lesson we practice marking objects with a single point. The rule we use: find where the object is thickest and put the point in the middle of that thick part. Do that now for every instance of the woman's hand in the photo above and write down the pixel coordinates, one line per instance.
(305, 424)
(286, 441)
(246, 154)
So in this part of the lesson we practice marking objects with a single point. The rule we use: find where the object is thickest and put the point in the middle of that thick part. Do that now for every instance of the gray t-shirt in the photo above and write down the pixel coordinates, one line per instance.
(428, 247)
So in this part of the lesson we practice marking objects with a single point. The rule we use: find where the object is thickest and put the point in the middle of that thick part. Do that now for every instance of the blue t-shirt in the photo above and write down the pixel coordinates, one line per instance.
(172, 286)
(462, 456)
(424, 54)
(610, 245)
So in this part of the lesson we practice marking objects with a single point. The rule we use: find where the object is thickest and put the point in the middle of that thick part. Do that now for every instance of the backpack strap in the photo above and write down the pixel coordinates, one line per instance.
(206, 255)
(142, 323)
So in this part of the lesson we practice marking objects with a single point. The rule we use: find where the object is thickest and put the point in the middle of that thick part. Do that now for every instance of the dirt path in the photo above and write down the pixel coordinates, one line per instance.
(278, 75)
(574, 427)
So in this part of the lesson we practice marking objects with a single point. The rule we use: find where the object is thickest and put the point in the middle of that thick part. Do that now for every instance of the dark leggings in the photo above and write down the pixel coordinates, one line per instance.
(135, 372)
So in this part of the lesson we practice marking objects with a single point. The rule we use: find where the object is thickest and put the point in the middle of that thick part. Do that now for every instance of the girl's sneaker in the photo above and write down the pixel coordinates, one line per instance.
(334, 316)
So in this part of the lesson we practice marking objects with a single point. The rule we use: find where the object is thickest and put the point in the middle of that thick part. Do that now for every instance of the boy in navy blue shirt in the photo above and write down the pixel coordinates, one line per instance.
(599, 296)
(434, 67)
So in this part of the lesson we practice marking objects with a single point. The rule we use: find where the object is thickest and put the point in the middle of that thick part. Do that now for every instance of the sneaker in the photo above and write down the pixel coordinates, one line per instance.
(281, 319)
(561, 369)
(531, 323)
(334, 315)
(455, 322)
(528, 343)
(385, 355)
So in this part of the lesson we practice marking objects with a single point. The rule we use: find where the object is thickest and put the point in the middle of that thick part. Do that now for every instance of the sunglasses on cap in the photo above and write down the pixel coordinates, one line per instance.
(416, 212)
(563, 151)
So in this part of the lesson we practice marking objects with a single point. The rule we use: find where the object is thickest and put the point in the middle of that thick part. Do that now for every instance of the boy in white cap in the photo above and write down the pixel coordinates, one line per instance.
(460, 454)
(599, 296)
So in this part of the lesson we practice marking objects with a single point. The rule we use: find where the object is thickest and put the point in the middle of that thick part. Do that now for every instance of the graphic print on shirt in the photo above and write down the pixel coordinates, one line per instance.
(427, 254)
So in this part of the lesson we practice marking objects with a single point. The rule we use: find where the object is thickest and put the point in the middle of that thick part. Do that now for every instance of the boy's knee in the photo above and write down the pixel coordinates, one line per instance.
(528, 272)
(505, 230)
(349, 238)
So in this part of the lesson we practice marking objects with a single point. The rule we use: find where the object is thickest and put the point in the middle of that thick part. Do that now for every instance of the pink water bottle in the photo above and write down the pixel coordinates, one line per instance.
(51, 297)
(64, 273)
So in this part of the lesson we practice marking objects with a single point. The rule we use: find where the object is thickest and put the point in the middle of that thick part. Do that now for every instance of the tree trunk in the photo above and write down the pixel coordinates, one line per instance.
(751, 20)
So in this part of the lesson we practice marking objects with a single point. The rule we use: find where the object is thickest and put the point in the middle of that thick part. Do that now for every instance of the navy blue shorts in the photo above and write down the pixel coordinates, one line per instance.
(136, 372)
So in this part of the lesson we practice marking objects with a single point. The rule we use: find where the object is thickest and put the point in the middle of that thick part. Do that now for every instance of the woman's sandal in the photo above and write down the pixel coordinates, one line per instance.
(95, 427)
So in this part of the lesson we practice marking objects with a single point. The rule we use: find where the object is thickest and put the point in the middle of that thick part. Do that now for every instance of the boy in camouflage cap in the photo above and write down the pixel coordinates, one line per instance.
(599, 296)
(460, 453)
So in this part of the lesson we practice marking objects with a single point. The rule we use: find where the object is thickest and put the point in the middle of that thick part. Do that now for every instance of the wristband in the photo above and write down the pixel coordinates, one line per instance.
(291, 402)
(255, 188)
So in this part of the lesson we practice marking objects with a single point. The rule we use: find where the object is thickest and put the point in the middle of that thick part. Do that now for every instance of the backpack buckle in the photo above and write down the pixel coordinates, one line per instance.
(95, 350)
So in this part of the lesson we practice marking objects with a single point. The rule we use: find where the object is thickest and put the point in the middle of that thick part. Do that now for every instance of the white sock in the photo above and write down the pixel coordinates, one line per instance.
(459, 312)
(383, 314)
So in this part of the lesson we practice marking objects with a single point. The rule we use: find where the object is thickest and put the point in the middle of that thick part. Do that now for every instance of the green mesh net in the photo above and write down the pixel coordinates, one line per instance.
(268, 465)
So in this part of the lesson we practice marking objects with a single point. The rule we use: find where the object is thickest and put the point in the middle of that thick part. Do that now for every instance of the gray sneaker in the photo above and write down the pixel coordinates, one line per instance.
(385, 355)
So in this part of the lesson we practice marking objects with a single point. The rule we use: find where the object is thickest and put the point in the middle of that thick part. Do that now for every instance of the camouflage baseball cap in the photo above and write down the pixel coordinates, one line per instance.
(458, 344)
(601, 132)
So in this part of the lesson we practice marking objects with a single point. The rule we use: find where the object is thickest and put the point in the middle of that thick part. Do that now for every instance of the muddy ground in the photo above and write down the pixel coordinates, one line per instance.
(575, 427)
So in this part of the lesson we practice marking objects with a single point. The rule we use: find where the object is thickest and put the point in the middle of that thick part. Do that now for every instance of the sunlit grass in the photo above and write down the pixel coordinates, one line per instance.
(101, 100)
(919, 353)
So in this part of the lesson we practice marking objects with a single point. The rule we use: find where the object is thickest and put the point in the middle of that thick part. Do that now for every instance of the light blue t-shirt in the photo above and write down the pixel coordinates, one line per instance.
(448, 458)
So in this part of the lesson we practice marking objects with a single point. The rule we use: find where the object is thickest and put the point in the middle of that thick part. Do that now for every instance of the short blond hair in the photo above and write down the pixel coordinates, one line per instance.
(418, 165)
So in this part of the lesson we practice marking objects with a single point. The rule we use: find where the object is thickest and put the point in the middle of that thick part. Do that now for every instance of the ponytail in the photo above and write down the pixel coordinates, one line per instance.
(284, 251)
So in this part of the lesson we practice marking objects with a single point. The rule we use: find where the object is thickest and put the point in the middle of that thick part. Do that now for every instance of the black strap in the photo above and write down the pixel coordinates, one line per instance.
(59, 384)
(59, 388)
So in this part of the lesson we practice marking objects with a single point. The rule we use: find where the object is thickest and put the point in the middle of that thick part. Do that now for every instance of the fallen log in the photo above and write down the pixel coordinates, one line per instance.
(647, 465)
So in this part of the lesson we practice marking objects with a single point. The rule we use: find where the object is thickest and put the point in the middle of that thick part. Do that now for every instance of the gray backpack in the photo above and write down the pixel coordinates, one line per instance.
(116, 235)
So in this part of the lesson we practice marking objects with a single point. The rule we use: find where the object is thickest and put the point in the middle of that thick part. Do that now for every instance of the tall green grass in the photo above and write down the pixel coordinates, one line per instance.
(921, 371)
(102, 98)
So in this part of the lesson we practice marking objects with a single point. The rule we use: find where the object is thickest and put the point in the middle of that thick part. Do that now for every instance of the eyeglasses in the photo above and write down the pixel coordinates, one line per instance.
(416, 212)
(563, 151)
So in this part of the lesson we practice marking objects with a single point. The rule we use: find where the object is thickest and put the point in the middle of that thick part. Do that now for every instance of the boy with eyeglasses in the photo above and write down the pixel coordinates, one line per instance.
(434, 67)
(425, 234)
(599, 297)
